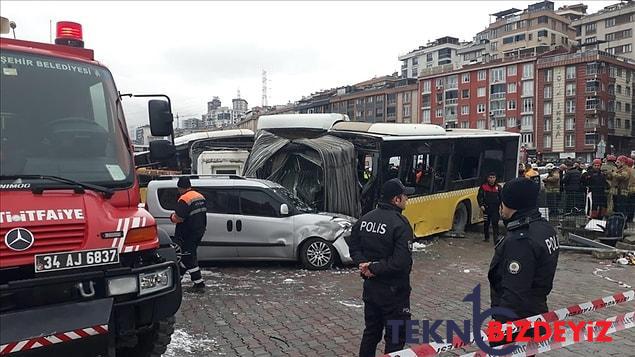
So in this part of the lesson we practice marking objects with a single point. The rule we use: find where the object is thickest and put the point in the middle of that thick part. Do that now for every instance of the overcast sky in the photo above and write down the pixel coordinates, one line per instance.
(193, 51)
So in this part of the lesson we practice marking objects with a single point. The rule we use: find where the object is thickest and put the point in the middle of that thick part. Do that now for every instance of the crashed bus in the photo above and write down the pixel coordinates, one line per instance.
(445, 166)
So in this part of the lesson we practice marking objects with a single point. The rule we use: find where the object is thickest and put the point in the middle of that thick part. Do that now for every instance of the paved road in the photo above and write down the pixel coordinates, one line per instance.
(270, 309)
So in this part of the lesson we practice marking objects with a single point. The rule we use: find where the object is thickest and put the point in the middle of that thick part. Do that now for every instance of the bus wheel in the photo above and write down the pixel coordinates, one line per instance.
(460, 218)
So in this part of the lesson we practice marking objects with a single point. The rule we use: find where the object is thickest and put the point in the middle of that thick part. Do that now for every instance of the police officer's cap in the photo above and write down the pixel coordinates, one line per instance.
(394, 187)
(184, 182)
(520, 193)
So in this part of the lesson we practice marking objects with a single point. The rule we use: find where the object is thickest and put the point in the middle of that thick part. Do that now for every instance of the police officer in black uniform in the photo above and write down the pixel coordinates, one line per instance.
(524, 264)
(191, 221)
(380, 244)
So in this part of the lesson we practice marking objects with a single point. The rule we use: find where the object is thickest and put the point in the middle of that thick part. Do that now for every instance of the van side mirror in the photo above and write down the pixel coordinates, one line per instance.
(161, 150)
(284, 209)
(160, 117)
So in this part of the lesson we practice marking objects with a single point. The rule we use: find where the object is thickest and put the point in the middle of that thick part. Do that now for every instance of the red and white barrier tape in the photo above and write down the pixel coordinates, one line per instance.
(52, 339)
(619, 323)
(433, 348)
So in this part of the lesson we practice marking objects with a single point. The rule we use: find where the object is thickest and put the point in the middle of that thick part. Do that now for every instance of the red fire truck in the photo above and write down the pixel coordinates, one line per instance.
(82, 266)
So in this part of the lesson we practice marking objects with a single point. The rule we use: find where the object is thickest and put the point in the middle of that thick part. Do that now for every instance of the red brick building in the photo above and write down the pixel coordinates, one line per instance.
(587, 98)
(519, 95)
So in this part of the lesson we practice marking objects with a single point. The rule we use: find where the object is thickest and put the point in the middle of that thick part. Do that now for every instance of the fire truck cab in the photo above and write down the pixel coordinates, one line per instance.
(82, 265)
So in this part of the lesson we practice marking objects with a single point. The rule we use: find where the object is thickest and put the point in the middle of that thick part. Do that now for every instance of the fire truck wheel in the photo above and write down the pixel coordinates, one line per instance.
(153, 342)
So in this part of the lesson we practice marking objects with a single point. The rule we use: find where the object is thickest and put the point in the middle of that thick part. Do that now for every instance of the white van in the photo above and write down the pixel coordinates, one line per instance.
(221, 162)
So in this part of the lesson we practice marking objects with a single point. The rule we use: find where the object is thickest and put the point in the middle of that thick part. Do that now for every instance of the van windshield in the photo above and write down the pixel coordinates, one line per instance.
(293, 200)
(59, 117)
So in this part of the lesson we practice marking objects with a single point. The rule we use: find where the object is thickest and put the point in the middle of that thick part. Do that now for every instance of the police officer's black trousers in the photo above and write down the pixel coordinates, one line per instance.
(383, 303)
(491, 219)
(189, 261)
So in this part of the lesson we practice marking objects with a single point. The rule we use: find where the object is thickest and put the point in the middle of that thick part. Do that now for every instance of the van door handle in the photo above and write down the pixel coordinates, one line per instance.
(239, 225)
(230, 225)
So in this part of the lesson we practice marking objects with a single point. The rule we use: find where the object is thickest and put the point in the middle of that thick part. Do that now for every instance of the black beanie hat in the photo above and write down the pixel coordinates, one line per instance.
(184, 182)
(520, 193)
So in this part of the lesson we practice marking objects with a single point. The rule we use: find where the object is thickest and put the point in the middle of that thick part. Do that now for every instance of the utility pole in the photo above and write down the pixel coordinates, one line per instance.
(264, 88)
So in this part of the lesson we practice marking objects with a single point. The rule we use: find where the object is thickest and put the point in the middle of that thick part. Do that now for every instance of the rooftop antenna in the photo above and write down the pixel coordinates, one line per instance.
(238, 96)
(264, 88)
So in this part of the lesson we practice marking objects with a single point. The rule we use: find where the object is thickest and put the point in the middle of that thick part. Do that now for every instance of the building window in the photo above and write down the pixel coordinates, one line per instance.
(569, 140)
(618, 89)
(609, 22)
(465, 93)
(570, 72)
(429, 57)
(511, 122)
(439, 113)
(414, 72)
(406, 96)
(497, 75)
(570, 106)
(465, 109)
(589, 138)
(511, 105)
(493, 46)
(548, 75)
(511, 71)
(527, 122)
(508, 40)
(618, 123)
(480, 108)
(546, 141)
(590, 28)
(627, 107)
(480, 92)
(466, 78)
(406, 110)
(465, 124)
(590, 39)
(426, 87)
(547, 109)
(426, 115)
(569, 123)
(618, 106)
(480, 124)
(482, 75)
(542, 33)
(528, 105)
(527, 139)
(358, 113)
(528, 71)
(547, 124)
(570, 89)
(439, 82)
(369, 99)
(547, 92)
(511, 88)
(528, 88)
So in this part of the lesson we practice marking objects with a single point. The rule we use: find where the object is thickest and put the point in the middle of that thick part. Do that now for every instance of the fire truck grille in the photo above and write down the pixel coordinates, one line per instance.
(49, 238)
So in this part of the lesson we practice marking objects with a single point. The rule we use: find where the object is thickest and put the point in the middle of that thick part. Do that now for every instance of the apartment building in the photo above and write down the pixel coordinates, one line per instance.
(442, 51)
(393, 101)
(610, 30)
(524, 33)
(585, 98)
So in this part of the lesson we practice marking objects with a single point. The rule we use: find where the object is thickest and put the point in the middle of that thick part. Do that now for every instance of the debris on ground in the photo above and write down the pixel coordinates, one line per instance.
(418, 247)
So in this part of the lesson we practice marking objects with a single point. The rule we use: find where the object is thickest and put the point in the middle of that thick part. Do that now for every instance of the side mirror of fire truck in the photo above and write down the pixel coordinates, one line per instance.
(160, 117)
(161, 150)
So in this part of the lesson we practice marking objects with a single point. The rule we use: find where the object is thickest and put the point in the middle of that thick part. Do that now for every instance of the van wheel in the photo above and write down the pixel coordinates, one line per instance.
(460, 219)
(317, 254)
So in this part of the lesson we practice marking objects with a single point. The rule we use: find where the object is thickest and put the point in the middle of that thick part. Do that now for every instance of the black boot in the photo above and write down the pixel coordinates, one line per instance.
(198, 288)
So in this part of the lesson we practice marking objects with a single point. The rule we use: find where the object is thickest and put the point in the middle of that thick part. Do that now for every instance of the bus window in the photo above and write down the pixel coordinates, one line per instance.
(392, 171)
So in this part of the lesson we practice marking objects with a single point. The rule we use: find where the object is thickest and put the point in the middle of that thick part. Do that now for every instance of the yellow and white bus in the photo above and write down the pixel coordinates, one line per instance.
(339, 166)
(445, 166)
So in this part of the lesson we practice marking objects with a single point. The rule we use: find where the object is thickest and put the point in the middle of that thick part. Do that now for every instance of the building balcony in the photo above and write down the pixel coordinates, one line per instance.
(497, 113)
(591, 108)
(452, 101)
(592, 90)
(450, 118)
(497, 96)
(526, 128)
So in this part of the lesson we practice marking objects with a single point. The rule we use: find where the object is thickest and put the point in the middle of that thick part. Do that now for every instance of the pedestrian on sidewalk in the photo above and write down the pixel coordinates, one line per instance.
(489, 201)
(381, 244)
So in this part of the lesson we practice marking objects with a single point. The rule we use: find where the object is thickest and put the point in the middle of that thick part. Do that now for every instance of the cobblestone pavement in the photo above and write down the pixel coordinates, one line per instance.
(271, 309)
